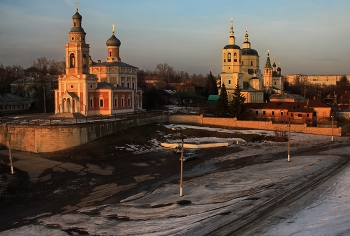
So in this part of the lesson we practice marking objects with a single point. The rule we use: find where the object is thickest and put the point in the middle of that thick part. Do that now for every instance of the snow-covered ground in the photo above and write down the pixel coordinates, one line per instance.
(217, 197)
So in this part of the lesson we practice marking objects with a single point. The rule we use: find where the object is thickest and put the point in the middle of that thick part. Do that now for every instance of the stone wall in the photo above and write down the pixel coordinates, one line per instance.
(51, 138)
(263, 125)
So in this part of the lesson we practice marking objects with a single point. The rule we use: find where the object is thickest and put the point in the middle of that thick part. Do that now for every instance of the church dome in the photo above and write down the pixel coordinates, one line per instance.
(232, 46)
(77, 16)
(249, 51)
(113, 41)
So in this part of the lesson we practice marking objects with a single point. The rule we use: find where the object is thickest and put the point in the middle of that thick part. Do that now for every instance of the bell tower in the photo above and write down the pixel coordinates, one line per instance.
(77, 51)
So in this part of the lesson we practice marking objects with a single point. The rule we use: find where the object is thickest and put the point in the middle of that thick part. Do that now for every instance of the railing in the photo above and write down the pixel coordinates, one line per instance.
(47, 120)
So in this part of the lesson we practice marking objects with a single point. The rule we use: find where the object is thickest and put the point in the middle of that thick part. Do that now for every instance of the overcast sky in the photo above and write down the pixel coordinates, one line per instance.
(306, 36)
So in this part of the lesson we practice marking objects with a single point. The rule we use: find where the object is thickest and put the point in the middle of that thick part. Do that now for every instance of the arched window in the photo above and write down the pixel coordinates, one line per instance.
(251, 63)
(235, 57)
(229, 57)
(71, 60)
(84, 60)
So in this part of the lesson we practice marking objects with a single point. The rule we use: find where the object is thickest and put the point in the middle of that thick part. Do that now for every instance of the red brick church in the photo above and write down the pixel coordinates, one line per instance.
(95, 88)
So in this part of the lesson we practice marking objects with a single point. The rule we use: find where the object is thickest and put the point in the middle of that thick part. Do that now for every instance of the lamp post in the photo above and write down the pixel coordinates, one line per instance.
(332, 139)
(181, 161)
(289, 140)
(10, 152)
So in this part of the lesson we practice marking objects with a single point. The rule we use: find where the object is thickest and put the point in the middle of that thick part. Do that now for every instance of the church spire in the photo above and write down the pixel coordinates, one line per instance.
(231, 39)
(113, 45)
(268, 62)
(246, 43)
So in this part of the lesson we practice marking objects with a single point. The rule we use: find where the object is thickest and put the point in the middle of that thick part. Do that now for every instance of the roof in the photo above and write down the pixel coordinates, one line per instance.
(290, 106)
(187, 95)
(247, 87)
(33, 69)
(105, 85)
(114, 63)
(317, 103)
(232, 46)
(249, 51)
(346, 94)
(113, 41)
(213, 97)
(12, 99)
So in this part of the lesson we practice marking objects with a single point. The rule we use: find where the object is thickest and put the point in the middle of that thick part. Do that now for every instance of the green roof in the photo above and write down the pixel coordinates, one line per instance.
(213, 97)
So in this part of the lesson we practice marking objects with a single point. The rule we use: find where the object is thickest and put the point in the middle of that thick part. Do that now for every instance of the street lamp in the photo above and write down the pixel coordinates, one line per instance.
(181, 160)
(332, 139)
(289, 140)
(10, 152)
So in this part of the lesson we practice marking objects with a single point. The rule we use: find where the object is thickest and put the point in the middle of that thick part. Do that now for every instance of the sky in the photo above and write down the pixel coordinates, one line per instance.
(307, 37)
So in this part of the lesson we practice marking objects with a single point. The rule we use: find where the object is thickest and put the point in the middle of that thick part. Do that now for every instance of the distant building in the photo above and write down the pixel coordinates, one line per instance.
(273, 79)
(310, 112)
(241, 66)
(11, 104)
(294, 79)
(285, 97)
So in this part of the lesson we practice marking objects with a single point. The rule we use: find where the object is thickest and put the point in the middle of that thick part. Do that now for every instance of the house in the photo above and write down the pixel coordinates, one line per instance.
(296, 112)
(188, 99)
(11, 104)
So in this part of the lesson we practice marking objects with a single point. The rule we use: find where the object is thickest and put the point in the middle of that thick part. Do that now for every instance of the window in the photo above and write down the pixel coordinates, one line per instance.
(71, 60)
(116, 101)
(229, 57)
(273, 113)
(129, 101)
(84, 60)
(122, 101)
(281, 113)
(257, 112)
(101, 101)
(264, 112)
(307, 115)
(235, 57)
(300, 115)
(71, 86)
(92, 102)
(251, 63)
(229, 81)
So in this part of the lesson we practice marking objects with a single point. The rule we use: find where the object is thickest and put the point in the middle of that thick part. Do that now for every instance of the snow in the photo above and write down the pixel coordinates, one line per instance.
(213, 198)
